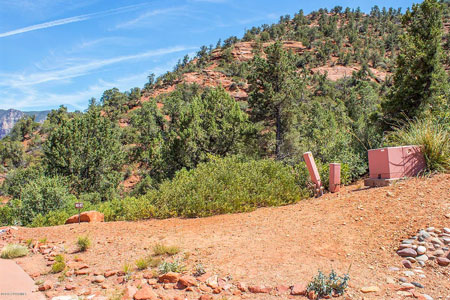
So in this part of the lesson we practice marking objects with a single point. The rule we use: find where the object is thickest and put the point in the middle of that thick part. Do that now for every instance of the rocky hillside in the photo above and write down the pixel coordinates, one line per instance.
(9, 117)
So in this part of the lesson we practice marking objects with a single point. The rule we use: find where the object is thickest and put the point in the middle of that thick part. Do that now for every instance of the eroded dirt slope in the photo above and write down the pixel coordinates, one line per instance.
(358, 229)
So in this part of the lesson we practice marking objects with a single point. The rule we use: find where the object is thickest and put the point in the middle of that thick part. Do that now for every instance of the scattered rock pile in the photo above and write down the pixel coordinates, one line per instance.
(427, 246)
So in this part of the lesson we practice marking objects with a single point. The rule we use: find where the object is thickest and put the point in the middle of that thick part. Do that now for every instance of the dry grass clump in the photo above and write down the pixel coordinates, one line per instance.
(13, 251)
(160, 249)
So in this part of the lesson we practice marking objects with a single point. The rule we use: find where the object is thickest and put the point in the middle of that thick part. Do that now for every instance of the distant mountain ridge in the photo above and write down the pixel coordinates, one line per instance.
(9, 117)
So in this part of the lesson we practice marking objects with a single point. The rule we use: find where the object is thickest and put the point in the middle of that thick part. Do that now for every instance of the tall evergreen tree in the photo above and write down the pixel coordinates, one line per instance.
(87, 150)
(275, 91)
(420, 81)
(210, 124)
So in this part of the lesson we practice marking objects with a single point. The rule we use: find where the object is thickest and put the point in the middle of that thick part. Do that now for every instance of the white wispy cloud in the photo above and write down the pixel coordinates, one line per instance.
(74, 19)
(143, 18)
(34, 98)
(77, 70)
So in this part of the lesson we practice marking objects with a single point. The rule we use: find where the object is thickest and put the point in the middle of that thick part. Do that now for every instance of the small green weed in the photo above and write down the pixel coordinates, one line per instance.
(43, 240)
(59, 264)
(58, 267)
(142, 263)
(127, 269)
(325, 286)
(29, 243)
(83, 243)
(166, 267)
(199, 270)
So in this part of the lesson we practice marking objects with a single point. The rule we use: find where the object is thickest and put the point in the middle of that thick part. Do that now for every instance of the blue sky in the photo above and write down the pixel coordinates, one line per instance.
(55, 52)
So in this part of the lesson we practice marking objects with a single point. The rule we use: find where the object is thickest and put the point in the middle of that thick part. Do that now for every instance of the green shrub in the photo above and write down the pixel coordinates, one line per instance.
(59, 258)
(83, 243)
(15, 180)
(431, 135)
(53, 218)
(160, 249)
(325, 286)
(129, 208)
(59, 265)
(6, 215)
(142, 263)
(42, 196)
(175, 266)
(13, 251)
(226, 185)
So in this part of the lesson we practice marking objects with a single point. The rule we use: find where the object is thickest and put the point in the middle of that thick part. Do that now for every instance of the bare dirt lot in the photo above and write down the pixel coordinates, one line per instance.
(357, 229)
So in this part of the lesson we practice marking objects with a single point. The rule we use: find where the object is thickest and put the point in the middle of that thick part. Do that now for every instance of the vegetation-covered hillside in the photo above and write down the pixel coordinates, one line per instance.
(225, 130)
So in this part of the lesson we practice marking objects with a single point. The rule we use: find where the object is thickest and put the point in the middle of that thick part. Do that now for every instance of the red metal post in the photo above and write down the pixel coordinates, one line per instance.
(335, 177)
(313, 172)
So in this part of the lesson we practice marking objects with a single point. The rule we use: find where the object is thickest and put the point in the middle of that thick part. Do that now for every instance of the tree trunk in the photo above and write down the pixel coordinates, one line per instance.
(279, 133)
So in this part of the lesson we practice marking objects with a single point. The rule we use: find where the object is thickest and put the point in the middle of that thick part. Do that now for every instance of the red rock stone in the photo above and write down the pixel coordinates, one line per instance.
(82, 272)
(299, 289)
(109, 273)
(442, 261)
(47, 285)
(282, 288)
(407, 252)
(69, 287)
(98, 279)
(146, 293)
(205, 297)
(204, 288)
(170, 277)
(120, 280)
(257, 289)
(187, 281)
(204, 277)
(81, 266)
(87, 216)
(407, 264)
(241, 286)
(312, 295)
(129, 292)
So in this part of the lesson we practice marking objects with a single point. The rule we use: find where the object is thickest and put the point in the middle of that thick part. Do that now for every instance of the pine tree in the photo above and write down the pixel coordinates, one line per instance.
(87, 150)
(275, 89)
(420, 80)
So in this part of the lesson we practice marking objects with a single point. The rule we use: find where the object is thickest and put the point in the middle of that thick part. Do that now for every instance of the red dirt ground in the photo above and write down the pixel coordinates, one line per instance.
(357, 229)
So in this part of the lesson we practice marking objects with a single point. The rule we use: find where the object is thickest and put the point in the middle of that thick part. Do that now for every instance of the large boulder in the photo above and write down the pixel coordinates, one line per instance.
(87, 216)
